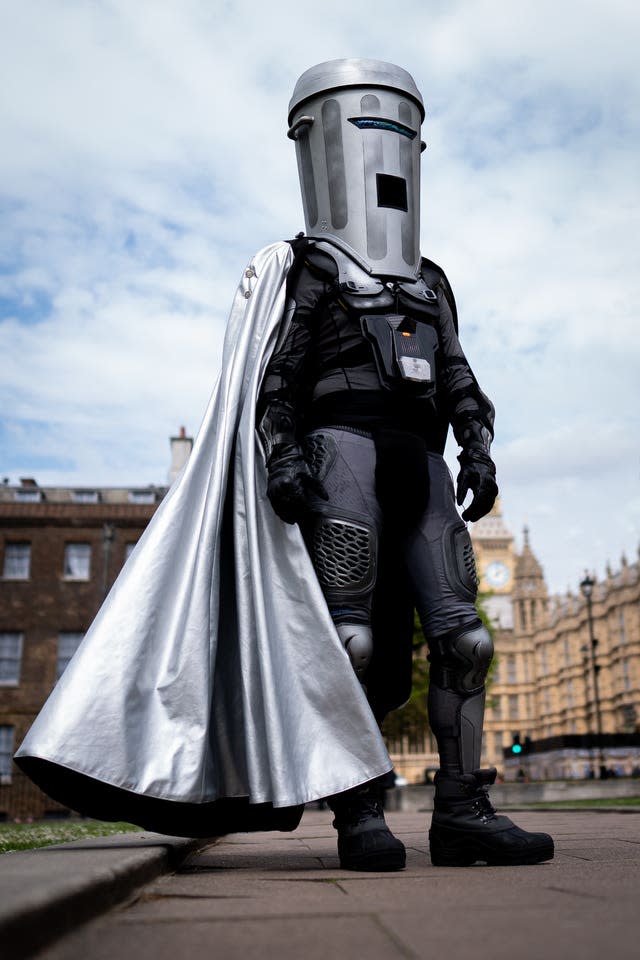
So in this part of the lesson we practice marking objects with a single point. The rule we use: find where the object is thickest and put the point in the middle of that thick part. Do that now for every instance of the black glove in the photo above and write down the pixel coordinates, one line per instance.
(290, 482)
(478, 474)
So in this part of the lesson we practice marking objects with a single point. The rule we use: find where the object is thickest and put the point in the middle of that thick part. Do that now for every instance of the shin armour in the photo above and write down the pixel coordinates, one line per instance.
(459, 664)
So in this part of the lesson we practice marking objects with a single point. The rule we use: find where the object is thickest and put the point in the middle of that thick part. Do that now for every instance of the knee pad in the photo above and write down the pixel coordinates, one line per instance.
(357, 639)
(460, 659)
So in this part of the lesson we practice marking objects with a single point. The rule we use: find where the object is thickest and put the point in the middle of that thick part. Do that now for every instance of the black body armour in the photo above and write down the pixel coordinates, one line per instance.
(368, 375)
(372, 355)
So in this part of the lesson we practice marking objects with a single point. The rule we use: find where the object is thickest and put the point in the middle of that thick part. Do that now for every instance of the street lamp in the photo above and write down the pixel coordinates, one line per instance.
(586, 587)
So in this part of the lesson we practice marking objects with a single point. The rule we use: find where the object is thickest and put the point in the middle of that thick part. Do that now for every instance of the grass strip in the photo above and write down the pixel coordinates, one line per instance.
(585, 804)
(42, 833)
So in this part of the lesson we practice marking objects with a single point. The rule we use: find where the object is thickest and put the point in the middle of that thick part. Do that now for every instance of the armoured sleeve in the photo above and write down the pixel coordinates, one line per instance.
(468, 409)
(290, 485)
(289, 368)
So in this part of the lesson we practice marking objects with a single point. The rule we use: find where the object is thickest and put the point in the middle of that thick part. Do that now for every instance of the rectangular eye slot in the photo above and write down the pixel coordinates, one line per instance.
(392, 191)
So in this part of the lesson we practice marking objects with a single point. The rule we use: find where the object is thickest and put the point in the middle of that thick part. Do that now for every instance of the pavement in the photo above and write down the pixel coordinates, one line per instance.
(278, 895)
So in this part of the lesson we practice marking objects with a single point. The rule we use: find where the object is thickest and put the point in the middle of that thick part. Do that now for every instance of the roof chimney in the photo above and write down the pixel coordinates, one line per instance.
(180, 450)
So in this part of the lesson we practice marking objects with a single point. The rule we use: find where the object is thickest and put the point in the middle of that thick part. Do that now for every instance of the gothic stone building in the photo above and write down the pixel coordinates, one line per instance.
(541, 688)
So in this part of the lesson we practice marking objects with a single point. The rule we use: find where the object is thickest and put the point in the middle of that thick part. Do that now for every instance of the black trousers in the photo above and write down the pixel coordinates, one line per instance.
(343, 538)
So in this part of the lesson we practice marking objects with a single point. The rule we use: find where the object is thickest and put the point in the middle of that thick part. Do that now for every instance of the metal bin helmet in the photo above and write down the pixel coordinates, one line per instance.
(356, 125)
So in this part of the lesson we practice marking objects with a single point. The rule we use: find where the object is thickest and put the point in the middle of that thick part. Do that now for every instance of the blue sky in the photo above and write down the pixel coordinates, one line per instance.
(145, 159)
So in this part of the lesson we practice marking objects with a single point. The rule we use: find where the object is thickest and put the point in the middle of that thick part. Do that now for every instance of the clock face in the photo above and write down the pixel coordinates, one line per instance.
(497, 574)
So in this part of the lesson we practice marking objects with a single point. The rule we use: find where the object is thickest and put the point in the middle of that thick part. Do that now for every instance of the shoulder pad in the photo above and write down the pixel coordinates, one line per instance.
(419, 290)
(431, 273)
(320, 263)
(351, 276)
(298, 244)
(435, 277)
(301, 247)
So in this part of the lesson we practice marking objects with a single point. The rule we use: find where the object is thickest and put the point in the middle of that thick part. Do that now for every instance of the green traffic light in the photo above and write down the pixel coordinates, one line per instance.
(516, 748)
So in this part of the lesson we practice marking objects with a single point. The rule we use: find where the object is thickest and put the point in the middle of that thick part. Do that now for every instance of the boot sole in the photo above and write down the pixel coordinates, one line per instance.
(376, 862)
(463, 852)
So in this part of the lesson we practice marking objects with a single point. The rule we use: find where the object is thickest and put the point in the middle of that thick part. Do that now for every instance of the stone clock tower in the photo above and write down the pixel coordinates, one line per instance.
(495, 560)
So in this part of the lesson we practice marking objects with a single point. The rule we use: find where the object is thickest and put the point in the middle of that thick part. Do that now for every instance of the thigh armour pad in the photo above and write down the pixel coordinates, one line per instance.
(343, 555)
(459, 562)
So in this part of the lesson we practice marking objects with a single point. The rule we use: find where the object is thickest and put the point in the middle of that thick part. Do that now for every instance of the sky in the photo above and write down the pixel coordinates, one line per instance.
(144, 160)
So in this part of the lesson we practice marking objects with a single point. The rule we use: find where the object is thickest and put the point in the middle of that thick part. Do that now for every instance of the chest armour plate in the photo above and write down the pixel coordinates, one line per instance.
(404, 350)
(404, 345)
(361, 292)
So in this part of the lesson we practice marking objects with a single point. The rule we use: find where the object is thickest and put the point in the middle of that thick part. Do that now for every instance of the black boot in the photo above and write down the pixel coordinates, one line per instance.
(364, 840)
(466, 828)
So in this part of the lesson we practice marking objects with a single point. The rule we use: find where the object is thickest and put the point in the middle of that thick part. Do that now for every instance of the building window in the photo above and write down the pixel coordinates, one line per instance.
(569, 691)
(629, 717)
(626, 679)
(6, 752)
(10, 658)
(86, 496)
(68, 643)
(523, 614)
(513, 706)
(142, 496)
(622, 634)
(77, 561)
(496, 706)
(512, 675)
(543, 662)
(29, 495)
(17, 561)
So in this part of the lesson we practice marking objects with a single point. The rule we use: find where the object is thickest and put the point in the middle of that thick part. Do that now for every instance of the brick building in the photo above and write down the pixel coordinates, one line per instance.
(61, 549)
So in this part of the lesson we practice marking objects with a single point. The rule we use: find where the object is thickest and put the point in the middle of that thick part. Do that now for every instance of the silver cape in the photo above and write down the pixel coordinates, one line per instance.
(213, 669)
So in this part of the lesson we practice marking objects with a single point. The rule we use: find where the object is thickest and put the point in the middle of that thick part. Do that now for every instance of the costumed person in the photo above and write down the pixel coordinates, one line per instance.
(355, 406)
(262, 626)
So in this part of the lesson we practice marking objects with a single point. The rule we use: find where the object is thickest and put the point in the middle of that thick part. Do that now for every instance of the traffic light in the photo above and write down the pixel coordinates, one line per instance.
(516, 746)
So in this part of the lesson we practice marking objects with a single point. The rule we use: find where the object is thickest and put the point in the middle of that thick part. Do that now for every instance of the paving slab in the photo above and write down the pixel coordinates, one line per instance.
(284, 895)
(307, 937)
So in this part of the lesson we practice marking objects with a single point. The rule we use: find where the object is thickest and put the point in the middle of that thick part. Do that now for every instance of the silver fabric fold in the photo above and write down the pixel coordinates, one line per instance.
(213, 669)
